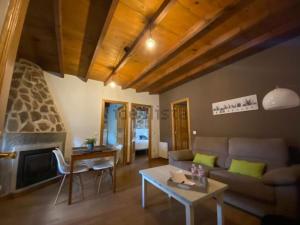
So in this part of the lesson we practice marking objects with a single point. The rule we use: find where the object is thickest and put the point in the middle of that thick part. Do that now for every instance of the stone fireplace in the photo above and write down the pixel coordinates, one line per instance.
(33, 129)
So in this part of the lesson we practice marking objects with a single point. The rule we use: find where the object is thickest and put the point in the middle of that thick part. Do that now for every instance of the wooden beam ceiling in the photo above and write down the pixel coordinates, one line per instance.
(255, 45)
(109, 16)
(58, 33)
(219, 42)
(157, 17)
(41, 30)
(194, 33)
(104, 40)
(99, 17)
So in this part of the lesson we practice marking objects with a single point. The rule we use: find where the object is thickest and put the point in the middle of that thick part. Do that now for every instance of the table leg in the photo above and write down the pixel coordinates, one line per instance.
(71, 181)
(144, 192)
(189, 215)
(220, 202)
(115, 172)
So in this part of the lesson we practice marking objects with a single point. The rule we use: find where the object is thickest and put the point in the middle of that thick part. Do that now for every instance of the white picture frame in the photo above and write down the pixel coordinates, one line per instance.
(242, 104)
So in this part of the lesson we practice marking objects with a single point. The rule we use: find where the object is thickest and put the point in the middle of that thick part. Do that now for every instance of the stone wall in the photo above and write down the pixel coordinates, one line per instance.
(30, 106)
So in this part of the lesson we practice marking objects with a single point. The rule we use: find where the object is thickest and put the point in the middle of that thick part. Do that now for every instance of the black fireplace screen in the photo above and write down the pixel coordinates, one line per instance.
(35, 166)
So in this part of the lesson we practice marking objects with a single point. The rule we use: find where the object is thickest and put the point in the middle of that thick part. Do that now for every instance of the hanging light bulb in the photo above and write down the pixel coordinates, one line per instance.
(112, 84)
(150, 42)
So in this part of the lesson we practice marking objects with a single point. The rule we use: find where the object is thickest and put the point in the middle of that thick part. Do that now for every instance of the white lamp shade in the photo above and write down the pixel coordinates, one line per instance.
(281, 98)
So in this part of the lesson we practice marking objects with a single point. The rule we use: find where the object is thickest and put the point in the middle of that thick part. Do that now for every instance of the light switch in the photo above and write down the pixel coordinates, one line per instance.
(194, 132)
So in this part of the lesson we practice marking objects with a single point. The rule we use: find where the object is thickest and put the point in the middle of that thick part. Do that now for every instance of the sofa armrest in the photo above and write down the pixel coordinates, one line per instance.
(283, 176)
(182, 155)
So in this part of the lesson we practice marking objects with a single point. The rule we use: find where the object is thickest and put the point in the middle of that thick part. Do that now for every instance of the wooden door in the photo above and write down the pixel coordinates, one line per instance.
(121, 123)
(133, 132)
(180, 126)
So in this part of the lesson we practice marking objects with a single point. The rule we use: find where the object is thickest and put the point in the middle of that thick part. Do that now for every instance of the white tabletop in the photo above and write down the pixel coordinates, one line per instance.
(160, 175)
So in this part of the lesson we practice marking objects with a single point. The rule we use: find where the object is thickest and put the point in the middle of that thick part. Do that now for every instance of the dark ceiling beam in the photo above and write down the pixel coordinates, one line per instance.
(196, 32)
(209, 49)
(91, 60)
(266, 40)
(156, 18)
(59, 38)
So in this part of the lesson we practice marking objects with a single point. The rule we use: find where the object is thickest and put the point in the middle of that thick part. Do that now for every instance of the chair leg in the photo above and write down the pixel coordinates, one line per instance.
(81, 187)
(111, 173)
(100, 180)
(60, 187)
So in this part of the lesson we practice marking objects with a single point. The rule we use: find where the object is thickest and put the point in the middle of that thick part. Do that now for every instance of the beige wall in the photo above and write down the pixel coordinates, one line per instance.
(80, 104)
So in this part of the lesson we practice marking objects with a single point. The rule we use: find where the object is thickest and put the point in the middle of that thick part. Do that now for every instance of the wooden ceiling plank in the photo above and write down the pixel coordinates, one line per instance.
(59, 37)
(157, 17)
(251, 47)
(198, 29)
(109, 16)
(217, 43)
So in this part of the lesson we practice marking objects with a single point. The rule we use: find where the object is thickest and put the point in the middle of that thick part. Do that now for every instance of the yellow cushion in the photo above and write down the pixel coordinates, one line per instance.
(208, 160)
(252, 169)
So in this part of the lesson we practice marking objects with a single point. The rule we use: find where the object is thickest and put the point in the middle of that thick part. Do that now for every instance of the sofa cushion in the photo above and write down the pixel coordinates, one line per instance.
(247, 168)
(217, 146)
(208, 160)
(272, 152)
(182, 155)
(187, 165)
(248, 186)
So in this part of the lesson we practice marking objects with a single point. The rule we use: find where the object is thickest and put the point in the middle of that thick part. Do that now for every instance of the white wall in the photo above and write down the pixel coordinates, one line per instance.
(80, 105)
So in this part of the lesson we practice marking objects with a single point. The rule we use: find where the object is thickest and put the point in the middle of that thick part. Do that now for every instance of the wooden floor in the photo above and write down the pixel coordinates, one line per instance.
(124, 207)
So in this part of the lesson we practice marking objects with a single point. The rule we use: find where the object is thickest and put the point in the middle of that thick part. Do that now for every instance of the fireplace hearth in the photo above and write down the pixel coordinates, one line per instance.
(35, 166)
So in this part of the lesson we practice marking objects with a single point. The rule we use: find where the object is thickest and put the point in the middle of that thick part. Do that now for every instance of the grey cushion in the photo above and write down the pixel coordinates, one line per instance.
(183, 155)
(248, 186)
(273, 152)
(283, 176)
(217, 146)
(186, 165)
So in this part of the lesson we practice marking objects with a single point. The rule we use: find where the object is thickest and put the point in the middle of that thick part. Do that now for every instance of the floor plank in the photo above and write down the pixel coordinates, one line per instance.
(124, 207)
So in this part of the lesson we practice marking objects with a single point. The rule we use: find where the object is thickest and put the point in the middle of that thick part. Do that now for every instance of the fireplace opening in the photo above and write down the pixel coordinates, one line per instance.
(35, 166)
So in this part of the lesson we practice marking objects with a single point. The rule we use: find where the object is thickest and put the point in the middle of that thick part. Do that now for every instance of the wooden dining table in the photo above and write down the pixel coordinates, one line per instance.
(82, 153)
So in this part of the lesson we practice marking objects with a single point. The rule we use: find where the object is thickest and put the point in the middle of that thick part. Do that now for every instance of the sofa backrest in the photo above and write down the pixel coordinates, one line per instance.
(273, 152)
(217, 146)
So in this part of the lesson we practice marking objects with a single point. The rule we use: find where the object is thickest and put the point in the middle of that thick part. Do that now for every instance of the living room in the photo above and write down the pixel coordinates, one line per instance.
(207, 91)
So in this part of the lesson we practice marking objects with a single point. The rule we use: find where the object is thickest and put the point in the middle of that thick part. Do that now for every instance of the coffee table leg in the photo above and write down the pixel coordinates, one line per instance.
(220, 215)
(144, 192)
(189, 215)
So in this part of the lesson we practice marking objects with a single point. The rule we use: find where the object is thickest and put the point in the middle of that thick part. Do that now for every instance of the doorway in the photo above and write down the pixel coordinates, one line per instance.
(141, 130)
(114, 127)
(181, 124)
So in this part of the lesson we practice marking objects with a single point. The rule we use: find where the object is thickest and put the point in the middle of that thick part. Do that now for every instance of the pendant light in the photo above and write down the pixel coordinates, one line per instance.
(150, 42)
(281, 98)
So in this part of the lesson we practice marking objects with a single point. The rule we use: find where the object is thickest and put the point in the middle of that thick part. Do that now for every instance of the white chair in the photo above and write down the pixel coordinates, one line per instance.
(103, 165)
(64, 169)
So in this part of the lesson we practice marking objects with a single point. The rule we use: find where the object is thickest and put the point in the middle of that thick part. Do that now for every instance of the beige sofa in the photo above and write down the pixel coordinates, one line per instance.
(277, 192)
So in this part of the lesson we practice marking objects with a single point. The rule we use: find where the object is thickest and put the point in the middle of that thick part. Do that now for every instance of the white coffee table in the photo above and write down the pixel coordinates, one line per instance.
(158, 177)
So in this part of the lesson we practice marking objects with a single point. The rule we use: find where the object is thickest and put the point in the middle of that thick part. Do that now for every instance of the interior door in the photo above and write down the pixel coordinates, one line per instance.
(180, 126)
(133, 133)
(121, 119)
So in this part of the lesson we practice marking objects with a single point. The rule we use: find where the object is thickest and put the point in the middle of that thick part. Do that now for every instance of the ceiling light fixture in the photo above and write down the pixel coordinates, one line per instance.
(112, 84)
(150, 42)
(281, 98)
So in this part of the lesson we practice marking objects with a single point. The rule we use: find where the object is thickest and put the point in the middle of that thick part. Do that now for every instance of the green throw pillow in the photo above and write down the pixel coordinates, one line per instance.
(208, 160)
(252, 169)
